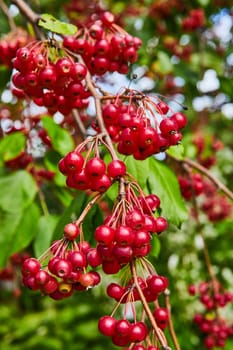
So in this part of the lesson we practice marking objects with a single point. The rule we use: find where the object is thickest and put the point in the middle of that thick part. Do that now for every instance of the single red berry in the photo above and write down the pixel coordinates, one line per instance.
(116, 168)
(168, 126)
(104, 234)
(71, 231)
(42, 277)
(180, 119)
(73, 162)
(77, 259)
(161, 224)
(124, 235)
(161, 317)
(162, 108)
(101, 184)
(122, 327)
(138, 332)
(115, 291)
(86, 279)
(95, 167)
(30, 267)
(62, 268)
(106, 325)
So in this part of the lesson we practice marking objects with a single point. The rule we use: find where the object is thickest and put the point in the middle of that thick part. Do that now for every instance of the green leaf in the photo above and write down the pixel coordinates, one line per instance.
(70, 214)
(51, 160)
(11, 146)
(139, 169)
(49, 22)
(93, 219)
(17, 191)
(17, 230)
(26, 229)
(163, 182)
(155, 246)
(61, 140)
(165, 64)
(44, 233)
(203, 2)
(176, 152)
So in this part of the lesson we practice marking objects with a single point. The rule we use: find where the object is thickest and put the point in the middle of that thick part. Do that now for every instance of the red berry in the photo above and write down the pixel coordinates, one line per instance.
(116, 168)
(107, 325)
(71, 231)
(30, 267)
(104, 234)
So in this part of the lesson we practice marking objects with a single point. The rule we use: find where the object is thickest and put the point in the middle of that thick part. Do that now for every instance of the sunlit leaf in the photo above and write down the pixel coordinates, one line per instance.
(49, 22)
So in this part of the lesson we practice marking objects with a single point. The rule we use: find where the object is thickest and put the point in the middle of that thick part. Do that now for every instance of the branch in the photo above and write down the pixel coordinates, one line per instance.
(170, 323)
(5, 10)
(207, 173)
(31, 16)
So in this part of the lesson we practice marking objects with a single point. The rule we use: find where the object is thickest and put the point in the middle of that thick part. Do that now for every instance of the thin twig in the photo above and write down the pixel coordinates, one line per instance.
(79, 122)
(170, 323)
(31, 16)
(207, 173)
(5, 10)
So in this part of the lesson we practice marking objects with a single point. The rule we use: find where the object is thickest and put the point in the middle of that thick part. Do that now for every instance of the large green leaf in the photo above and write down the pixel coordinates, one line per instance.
(165, 64)
(49, 22)
(44, 233)
(61, 140)
(140, 169)
(93, 219)
(17, 230)
(17, 191)
(11, 146)
(176, 151)
(162, 181)
(26, 229)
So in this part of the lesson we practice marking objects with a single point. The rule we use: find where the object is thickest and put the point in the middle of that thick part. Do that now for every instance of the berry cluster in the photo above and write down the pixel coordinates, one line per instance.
(122, 332)
(91, 172)
(181, 51)
(55, 83)
(135, 133)
(104, 46)
(10, 44)
(65, 270)
(11, 273)
(126, 233)
(206, 148)
(151, 287)
(193, 186)
(194, 20)
(215, 205)
(215, 329)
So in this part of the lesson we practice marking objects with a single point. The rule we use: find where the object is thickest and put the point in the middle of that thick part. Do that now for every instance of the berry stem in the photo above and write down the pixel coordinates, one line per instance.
(42, 201)
(87, 208)
(158, 332)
